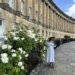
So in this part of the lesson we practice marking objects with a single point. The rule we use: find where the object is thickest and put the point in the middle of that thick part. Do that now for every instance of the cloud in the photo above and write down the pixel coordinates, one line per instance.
(71, 11)
(73, 0)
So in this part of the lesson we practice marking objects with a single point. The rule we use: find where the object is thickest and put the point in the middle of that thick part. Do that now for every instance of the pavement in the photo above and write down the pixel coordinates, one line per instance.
(64, 62)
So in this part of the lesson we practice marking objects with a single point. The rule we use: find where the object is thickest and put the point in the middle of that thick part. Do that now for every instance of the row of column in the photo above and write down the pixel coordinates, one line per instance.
(44, 14)
(51, 19)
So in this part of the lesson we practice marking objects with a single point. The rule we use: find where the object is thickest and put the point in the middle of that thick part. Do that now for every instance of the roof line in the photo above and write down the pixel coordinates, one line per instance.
(61, 10)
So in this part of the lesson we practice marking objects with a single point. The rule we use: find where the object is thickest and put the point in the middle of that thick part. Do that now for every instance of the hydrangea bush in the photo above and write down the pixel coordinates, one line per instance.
(14, 52)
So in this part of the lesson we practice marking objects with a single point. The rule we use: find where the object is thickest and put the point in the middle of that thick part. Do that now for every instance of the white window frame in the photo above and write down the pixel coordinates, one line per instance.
(11, 3)
(2, 37)
(22, 6)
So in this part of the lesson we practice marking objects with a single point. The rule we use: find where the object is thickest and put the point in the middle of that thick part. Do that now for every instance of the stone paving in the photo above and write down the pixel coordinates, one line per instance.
(64, 62)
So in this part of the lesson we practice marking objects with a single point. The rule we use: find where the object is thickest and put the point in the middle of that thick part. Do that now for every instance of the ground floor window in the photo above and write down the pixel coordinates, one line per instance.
(2, 31)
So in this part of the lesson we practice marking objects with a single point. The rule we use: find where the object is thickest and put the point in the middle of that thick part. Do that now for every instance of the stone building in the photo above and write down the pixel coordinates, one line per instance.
(44, 15)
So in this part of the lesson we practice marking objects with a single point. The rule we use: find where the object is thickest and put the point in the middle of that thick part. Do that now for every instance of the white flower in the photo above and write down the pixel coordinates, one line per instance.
(5, 74)
(29, 31)
(43, 55)
(4, 55)
(26, 55)
(21, 50)
(4, 58)
(24, 52)
(22, 67)
(31, 34)
(4, 46)
(36, 39)
(16, 38)
(20, 30)
(22, 38)
(20, 64)
(12, 33)
(14, 55)
(44, 48)
(5, 38)
(12, 50)
(20, 57)
(40, 40)
(17, 31)
(9, 46)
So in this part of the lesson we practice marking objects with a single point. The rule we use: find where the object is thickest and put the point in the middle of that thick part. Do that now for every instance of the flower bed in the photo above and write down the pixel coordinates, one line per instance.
(15, 55)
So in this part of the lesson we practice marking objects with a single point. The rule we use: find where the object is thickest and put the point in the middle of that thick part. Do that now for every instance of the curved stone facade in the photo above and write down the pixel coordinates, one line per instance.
(44, 15)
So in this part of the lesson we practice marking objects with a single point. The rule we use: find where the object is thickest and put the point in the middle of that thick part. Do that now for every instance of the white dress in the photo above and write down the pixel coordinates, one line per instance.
(50, 52)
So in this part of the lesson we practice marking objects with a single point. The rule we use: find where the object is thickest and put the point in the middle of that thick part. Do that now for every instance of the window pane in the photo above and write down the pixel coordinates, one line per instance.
(22, 6)
(11, 3)
(0, 22)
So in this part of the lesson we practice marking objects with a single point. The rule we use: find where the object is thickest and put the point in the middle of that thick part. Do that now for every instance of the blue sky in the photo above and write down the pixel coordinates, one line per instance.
(67, 6)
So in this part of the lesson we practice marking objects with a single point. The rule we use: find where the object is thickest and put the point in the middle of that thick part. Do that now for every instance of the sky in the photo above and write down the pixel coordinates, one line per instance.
(67, 6)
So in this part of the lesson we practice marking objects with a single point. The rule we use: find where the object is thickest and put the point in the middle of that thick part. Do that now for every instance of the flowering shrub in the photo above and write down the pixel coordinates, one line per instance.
(11, 62)
(19, 44)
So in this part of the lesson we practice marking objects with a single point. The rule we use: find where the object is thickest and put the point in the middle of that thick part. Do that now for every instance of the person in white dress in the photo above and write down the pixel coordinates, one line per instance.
(50, 51)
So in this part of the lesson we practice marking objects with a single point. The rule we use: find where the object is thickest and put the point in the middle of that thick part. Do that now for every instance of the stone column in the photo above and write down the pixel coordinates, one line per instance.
(50, 20)
(60, 23)
(57, 22)
(18, 3)
(46, 20)
(5, 1)
(68, 25)
(43, 13)
(39, 11)
(48, 17)
(15, 5)
(71, 27)
(33, 10)
(63, 25)
(48, 23)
